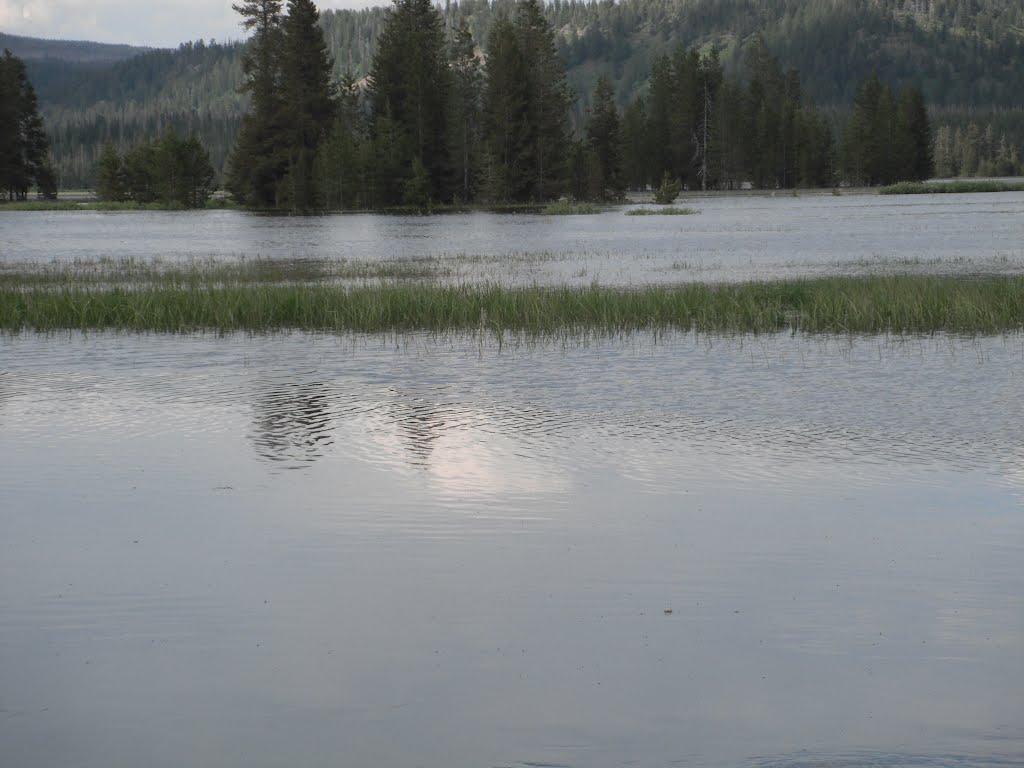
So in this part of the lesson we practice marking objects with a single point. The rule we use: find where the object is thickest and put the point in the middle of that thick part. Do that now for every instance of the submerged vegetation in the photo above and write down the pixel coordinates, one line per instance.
(109, 205)
(922, 188)
(265, 295)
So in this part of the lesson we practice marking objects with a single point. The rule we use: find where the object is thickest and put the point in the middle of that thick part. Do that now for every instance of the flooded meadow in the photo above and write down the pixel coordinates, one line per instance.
(587, 549)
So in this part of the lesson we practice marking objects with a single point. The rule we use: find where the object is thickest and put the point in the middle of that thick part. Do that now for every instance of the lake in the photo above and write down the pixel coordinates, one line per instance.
(671, 549)
(731, 238)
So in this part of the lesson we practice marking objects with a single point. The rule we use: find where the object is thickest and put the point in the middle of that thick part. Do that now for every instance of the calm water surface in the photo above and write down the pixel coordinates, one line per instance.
(375, 551)
(732, 238)
(325, 551)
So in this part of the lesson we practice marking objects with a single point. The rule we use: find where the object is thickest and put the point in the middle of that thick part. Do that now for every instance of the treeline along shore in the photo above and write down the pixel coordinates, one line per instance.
(444, 118)
(482, 103)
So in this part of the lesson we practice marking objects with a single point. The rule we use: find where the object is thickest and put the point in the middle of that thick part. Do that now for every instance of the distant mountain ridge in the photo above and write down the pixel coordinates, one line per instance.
(80, 51)
(966, 55)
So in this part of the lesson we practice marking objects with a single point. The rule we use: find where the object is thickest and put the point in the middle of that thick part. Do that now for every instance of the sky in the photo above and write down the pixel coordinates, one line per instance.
(159, 23)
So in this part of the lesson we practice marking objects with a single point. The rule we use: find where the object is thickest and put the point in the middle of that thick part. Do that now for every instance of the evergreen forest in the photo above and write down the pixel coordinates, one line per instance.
(963, 57)
(24, 145)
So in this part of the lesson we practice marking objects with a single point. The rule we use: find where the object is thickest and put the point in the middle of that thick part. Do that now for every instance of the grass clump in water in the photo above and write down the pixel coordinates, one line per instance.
(566, 208)
(670, 210)
(897, 304)
(946, 187)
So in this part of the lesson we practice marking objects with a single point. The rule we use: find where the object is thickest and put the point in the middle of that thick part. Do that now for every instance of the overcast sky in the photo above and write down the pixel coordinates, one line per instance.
(138, 22)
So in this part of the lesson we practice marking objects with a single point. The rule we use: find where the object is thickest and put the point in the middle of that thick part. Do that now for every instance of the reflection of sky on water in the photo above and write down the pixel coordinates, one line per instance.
(288, 548)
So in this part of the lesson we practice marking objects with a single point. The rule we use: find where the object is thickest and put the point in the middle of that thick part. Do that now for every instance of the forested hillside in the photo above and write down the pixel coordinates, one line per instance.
(35, 49)
(967, 57)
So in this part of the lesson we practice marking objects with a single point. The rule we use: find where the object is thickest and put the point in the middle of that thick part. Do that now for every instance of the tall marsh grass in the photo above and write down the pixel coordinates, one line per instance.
(566, 208)
(914, 304)
(940, 187)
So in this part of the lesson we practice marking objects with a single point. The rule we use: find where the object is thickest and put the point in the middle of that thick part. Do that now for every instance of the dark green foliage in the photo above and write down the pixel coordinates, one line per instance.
(465, 114)
(963, 57)
(342, 180)
(604, 135)
(887, 141)
(712, 131)
(287, 74)
(949, 187)
(258, 164)
(308, 102)
(408, 94)
(668, 191)
(505, 119)
(547, 104)
(111, 179)
(526, 108)
(635, 157)
(915, 136)
(24, 145)
(973, 151)
(171, 171)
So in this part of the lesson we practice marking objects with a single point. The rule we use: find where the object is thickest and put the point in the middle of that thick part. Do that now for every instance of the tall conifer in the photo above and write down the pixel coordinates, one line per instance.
(548, 101)
(604, 135)
(506, 122)
(258, 162)
(24, 145)
(308, 103)
(408, 93)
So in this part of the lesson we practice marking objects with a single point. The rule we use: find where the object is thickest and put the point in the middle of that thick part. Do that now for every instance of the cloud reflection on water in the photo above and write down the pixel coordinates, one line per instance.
(352, 542)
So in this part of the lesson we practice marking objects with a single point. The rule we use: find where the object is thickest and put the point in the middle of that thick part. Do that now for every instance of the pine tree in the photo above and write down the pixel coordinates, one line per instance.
(604, 134)
(464, 112)
(685, 113)
(635, 145)
(507, 129)
(861, 139)
(258, 162)
(708, 149)
(339, 169)
(916, 134)
(111, 184)
(661, 90)
(547, 104)
(765, 100)
(24, 144)
(946, 162)
(308, 104)
(408, 87)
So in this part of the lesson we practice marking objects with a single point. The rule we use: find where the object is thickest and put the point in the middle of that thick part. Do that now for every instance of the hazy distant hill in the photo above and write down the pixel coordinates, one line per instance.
(32, 48)
(967, 56)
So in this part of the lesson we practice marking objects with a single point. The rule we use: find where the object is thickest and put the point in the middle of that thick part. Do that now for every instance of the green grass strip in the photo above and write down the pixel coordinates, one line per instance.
(946, 187)
(837, 305)
(666, 211)
(565, 208)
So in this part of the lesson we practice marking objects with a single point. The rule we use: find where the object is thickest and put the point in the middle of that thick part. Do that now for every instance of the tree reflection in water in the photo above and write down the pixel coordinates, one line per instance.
(293, 422)
(419, 424)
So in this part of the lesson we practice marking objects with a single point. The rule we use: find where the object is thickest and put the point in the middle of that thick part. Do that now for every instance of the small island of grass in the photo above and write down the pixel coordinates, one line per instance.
(566, 208)
(670, 210)
(266, 296)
